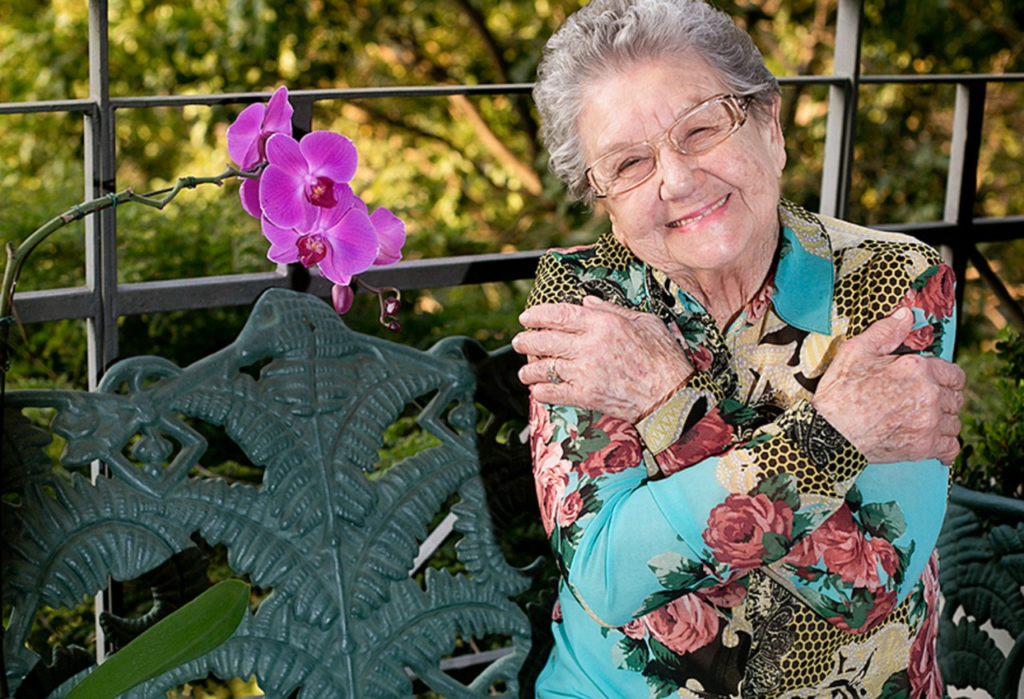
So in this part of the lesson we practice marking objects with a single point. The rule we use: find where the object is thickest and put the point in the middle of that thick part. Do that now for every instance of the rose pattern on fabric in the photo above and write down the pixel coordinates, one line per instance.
(737, 527)
(925, 676)
(623, 450)
(937, 297)
(934, 296)
(683, 625)
(920, 339)
(710, 436)
(846, 551)
(635, 629)
(727, 595)
(570, 509)
(874, 608)
(550, 469)
(700, 356)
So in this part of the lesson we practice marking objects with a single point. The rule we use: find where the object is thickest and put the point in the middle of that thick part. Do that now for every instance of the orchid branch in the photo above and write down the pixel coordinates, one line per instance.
(16, 256)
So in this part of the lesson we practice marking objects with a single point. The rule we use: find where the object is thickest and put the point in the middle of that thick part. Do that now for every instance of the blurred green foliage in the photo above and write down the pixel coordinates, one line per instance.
(993, 455)
(468, 175)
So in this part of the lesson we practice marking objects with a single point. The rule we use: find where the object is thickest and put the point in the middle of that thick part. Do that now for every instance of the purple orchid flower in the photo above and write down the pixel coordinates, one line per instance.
(306, 177)
(247, 140)
(390, 233)
(340, 242)
(390, 236)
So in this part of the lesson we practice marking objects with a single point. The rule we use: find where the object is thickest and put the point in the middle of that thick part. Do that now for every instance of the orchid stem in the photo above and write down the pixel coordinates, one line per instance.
(16, 256)
(389, 299)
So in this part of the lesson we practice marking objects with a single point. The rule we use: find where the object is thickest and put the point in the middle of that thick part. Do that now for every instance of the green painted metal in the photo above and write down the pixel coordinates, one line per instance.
(332, 535)
(981, 573)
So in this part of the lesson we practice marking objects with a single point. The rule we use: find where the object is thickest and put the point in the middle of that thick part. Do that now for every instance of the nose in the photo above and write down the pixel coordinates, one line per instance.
(680, 174)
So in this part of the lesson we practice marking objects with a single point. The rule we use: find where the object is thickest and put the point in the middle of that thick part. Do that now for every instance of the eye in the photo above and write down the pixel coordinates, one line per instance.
(631, 164)
(700, 133)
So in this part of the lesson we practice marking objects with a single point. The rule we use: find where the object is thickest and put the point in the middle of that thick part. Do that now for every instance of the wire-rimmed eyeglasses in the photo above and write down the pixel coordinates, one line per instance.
(699, 130)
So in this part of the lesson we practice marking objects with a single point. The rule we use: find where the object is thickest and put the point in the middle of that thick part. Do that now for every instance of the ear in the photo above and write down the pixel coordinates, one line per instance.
(777, 140)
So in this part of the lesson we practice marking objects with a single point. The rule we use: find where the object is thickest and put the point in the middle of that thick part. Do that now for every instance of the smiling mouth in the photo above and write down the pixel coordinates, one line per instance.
(706, 212)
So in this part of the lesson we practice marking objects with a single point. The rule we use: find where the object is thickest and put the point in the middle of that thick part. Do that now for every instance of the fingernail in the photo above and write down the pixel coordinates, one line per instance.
(594, 300)
(901, 313)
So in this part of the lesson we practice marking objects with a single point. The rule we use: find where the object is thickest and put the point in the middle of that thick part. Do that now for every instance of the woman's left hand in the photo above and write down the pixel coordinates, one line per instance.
(600, 356)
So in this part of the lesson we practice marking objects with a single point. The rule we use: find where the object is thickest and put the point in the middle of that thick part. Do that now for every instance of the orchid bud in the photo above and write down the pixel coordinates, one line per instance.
(342, 296)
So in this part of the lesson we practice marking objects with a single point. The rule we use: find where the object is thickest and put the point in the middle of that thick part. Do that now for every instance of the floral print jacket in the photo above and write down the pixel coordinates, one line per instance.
(733, 543)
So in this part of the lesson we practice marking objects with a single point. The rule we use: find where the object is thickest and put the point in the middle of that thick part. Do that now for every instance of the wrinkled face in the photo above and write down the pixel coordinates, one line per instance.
(711, 213)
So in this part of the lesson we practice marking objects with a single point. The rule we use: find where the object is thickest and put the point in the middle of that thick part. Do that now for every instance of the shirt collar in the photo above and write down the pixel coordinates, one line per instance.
(805, 277)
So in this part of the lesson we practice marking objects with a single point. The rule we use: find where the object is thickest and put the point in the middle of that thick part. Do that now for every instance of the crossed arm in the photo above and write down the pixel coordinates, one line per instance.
(826, 521)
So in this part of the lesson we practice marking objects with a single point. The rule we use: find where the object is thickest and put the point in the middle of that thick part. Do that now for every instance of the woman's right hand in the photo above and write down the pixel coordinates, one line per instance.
(892, 407)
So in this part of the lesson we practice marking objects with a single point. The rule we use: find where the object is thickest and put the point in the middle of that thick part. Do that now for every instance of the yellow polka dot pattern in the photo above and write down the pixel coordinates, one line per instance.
(808, 659)
(558, 282)
(888, 275)
(782, 455)
(812, 657)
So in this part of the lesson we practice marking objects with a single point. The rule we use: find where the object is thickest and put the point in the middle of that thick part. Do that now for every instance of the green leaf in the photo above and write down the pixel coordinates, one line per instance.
(781, 488)
(897, 686)
(803, 522)
(854, 499)
(775, 546)
(884, 519)
(630, 654)
(675, 572)
(190, 632)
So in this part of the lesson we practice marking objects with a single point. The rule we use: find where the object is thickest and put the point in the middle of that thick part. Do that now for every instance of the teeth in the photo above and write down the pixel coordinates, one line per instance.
(684, 221)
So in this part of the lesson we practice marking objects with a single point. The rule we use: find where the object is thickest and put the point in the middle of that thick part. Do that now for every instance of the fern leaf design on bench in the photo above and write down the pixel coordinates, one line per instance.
(331, 535)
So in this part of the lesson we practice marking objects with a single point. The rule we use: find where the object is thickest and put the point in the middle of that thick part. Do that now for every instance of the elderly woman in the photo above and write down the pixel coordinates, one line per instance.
(740, 417)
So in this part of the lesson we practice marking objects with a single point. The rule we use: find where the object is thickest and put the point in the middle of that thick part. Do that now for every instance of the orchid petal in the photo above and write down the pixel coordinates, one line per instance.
(278, 118)
(329, 218)
(250, 194)
(243, 136)
(342, 296)
(330, 155)
(358, 202)
(282, 199)
(390, 236)
(283, 248)
(283, 150)
(344, 195)
(353, 247)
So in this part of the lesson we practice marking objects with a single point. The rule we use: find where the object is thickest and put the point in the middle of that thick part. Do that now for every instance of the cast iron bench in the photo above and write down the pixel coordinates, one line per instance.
(365, 600)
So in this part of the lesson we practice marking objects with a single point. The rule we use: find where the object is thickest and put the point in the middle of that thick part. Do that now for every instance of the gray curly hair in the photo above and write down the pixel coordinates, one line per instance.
(610, 33)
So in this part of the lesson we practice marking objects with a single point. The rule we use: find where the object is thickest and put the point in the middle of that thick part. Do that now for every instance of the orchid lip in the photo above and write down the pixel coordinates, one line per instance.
(704, 212)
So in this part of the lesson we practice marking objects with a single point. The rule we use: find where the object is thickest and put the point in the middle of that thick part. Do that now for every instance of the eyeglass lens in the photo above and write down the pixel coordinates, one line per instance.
(698, 131)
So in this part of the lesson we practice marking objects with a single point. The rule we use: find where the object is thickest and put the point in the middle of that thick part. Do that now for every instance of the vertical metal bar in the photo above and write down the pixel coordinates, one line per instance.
(100, 236)
(842, 110)
(962, 178)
